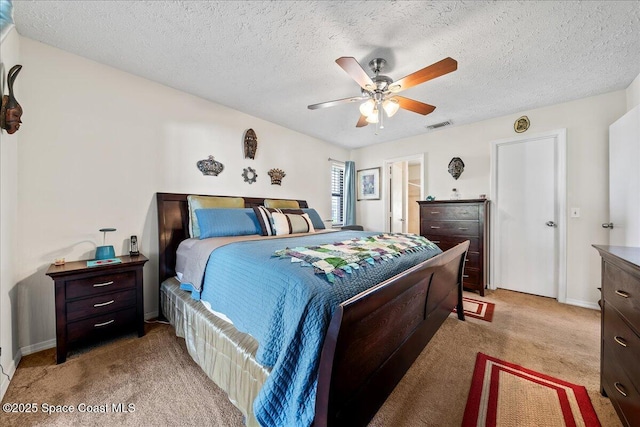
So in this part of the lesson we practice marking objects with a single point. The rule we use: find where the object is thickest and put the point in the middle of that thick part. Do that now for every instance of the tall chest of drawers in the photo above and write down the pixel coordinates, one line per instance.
(620, 350)
(449, 222)
(97, 301)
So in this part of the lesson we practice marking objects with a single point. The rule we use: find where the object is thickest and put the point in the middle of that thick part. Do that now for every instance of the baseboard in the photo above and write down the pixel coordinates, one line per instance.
(151, 315)
(10, 370)
(39, 346)
(585, 304)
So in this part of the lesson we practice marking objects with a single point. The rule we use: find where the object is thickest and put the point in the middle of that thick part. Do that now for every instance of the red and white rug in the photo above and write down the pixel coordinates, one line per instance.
(478, 309)
(504, 395)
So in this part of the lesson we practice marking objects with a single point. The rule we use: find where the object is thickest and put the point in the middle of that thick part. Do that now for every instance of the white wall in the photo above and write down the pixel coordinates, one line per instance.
(10, 56)
(587, 122)
(96, 146)
(633, 93)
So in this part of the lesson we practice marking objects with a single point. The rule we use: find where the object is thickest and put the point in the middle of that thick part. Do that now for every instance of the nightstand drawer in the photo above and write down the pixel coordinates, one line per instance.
(447, 212)
(448, 242)
(470, 277)
(100, 283)
(115, 321)
(100, 304)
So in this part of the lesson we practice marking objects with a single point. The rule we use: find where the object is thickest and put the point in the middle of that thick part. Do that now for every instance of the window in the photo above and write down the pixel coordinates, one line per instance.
(337, 193)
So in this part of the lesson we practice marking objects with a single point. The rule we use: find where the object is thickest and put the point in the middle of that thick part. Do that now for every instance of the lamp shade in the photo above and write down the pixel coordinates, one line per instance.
(373, 117)
(367, 107)
(391, 106)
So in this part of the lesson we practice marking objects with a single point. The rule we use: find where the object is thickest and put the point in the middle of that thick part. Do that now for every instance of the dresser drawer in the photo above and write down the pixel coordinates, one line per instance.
(448, 242)
(447, 228)
(110, 322)
(622, 290)
(100, 283)
(472, 260)
(100, 304)
(470, 277)
(616, 382)
(446, 212)
(623, 343)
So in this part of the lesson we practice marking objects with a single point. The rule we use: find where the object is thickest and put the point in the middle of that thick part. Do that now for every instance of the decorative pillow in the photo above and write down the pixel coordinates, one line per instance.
(264, 219)
(206, 202)
(291, 223)
(220, 222)
(281, 204)
(317, 222)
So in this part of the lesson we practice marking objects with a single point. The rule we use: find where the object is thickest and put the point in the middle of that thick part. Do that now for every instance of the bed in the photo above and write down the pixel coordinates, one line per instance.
(369, 343)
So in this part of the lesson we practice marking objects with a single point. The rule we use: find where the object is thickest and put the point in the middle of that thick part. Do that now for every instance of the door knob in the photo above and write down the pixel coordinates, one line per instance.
(607, 225)
(551, 224)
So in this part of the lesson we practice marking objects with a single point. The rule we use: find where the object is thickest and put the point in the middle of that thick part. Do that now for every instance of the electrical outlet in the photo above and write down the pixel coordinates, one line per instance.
(575, 212)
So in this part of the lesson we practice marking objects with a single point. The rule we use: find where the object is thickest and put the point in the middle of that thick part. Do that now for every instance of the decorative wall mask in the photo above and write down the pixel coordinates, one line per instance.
(250, 144)
(210, 166)
(276, 176)
(522, 124)
(10, 110)
(249, 175)
(456, 167)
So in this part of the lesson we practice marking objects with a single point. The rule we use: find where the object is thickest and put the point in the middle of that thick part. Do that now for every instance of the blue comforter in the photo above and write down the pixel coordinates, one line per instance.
(287, 309)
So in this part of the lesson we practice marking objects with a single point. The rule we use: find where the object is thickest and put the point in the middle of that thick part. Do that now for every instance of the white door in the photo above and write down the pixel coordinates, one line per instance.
(527, 223)
(624, 180)
(398, 198)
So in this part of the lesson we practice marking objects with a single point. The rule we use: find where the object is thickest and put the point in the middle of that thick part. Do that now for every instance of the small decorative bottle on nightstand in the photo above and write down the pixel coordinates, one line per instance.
(97, 301)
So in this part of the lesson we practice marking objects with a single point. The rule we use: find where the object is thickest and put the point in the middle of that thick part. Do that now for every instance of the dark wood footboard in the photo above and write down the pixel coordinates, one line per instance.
(376, 336)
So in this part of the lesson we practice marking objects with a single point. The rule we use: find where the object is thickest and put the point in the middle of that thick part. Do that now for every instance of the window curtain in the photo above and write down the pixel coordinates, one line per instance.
(349, 193)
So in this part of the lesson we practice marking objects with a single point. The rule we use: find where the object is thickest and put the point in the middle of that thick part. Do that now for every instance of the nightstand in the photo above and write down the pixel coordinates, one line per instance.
(93, 302)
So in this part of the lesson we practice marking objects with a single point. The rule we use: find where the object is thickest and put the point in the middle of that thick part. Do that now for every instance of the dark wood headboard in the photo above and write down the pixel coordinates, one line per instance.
(173, 226)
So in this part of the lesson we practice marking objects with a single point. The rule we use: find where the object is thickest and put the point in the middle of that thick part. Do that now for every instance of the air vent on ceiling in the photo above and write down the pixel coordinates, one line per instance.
(439, 125)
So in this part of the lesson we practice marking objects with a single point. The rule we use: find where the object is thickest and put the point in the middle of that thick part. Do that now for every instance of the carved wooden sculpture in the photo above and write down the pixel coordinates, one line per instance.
(11, 111)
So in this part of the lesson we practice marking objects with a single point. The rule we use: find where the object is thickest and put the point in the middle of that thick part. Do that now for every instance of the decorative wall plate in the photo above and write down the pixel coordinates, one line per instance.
(522, 124)
(249, 175)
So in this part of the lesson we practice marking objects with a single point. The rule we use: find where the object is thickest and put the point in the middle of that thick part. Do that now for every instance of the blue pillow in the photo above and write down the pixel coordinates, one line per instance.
(317, 222)
(219, 222)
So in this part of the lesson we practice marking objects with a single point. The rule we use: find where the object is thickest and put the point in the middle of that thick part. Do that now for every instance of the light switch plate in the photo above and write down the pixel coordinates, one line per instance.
(575, 212)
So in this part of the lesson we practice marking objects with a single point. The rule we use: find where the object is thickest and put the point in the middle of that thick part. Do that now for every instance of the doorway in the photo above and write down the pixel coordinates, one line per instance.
(404, 178)
(528, 223)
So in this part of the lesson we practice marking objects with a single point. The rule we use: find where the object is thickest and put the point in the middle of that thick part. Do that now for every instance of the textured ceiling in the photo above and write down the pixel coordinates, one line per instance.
(272, 59)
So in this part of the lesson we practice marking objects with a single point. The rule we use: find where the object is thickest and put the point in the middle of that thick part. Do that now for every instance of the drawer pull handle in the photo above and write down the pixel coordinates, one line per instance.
(620, 341)
(97, 285)
(434, 213)
(623, 294)
(620, 388)
(433, 226)
(465, 275)
(102, 304)
(463, 228)
(97, 325)
(435, 241)
(466, 259)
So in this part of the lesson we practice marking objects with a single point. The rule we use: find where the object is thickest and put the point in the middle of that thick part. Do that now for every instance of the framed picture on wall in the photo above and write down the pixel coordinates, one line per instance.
(368, 182)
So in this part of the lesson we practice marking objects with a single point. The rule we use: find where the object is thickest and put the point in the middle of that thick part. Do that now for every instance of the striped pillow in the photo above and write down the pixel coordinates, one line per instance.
(264, 218)
(291, 223)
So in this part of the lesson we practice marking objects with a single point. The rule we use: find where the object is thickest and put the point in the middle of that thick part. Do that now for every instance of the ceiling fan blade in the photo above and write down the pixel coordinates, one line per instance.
(415, 106)
(337, 102)
(355, 71)
(362, 121)
(438, 69)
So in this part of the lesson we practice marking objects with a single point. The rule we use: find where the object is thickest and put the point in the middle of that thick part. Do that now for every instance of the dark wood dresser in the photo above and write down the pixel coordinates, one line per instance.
(449, 222)
(620, 351)
(96, 301)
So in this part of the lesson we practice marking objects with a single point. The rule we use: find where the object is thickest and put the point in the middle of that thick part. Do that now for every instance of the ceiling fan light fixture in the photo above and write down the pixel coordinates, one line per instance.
(367, 107)
(373, 117)
(394, 88)
(391, 106)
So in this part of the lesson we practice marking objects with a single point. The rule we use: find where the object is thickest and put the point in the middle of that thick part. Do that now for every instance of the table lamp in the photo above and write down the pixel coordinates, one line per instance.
(105, 252)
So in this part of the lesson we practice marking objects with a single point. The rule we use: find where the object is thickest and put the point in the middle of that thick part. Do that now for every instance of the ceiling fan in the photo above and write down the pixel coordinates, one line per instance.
(380, 92)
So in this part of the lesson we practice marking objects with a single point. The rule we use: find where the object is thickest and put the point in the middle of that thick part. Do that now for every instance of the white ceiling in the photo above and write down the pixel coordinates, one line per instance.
(272, 59)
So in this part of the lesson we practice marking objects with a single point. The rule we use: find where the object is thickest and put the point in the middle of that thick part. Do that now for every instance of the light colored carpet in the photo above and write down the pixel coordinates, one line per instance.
(156, 374)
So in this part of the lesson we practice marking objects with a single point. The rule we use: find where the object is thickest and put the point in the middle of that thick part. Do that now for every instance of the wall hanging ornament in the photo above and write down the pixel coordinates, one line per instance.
(249, 175)
(250, 144)
(10, 110)
(456, 167)
(522, 124)
(276, 176)
(210, 166)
